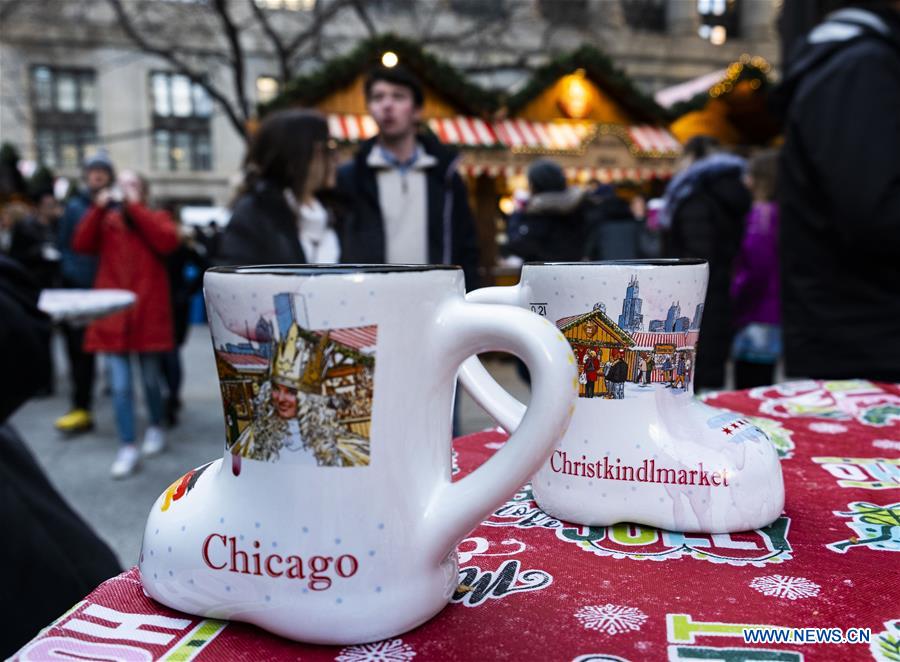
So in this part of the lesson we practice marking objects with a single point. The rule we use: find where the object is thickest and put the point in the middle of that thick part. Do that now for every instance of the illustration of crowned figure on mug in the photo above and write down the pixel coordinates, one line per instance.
(303, 398)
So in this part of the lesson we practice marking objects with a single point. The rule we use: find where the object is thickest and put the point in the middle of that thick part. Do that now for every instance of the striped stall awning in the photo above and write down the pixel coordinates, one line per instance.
(652, 139)
(681, 339)
(360, 338)
(464, 131)
(604, 175)
(517, 135)
(351, 128)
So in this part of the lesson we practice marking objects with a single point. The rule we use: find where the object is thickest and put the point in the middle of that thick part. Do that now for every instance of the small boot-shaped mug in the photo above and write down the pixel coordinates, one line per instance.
(332, 517)
(639, 448)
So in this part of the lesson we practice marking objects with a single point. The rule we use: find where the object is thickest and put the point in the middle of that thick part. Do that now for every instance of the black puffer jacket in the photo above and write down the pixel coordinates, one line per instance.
(550, 229)
(839, 191)
(452, 237)
(705, 207)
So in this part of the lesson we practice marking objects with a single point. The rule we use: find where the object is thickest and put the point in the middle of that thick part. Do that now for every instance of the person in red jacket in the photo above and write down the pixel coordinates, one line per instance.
(131, 241)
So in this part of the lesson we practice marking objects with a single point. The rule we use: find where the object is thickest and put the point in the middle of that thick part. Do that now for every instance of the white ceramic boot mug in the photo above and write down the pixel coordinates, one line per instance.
(639, 448)
(332, 518)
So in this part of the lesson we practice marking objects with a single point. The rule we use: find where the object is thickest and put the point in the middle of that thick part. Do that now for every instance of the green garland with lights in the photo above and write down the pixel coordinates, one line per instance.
(342, 71)
(754, 69)
(601, 71)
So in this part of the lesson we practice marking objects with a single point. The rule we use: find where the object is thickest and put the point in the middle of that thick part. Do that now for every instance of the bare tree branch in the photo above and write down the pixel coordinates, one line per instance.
(360, 10)
(182, 67)
(237, 54)
(277, 43)
(322, 17)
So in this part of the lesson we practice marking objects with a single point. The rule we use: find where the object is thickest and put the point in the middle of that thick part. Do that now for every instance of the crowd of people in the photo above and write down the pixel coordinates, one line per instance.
(400, 199)
(107, 236)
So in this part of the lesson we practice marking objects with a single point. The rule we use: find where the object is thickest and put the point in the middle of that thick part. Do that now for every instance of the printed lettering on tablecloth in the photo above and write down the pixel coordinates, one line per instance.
(642, 543)
(858, 400)
(477, 585)
(865, 473)
(104, 633)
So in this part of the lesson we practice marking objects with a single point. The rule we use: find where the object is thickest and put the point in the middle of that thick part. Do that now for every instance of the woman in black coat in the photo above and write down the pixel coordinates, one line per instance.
(705, 208)
(278, 217)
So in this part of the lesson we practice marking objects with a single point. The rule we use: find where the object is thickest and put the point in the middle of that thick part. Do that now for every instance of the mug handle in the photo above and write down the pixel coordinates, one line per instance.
(478, 382)
(464, 329)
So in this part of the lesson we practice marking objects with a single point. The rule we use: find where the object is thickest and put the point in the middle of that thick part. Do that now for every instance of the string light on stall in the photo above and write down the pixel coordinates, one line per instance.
(389, 59)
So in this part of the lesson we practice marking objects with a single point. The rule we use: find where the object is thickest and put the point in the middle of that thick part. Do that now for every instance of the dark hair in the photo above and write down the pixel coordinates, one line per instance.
(700, 147)
(397, 75)
(282, 148)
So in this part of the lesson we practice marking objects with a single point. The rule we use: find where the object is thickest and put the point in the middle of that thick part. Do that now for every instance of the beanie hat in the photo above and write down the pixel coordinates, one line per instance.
(99, 160)
(545, 176)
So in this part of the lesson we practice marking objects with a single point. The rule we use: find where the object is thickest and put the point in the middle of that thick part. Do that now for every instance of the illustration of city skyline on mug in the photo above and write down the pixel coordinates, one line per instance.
(629, 345)
(291, 393)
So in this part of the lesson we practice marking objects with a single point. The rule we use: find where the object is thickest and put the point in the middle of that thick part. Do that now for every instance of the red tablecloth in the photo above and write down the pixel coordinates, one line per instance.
(540, 589)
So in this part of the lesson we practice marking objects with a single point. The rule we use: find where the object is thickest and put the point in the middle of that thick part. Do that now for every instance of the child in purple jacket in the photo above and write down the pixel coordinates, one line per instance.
(754, 287)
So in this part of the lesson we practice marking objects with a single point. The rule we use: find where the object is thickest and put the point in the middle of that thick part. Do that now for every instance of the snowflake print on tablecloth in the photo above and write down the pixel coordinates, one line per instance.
(781, 586)
(611, 619)
(824, 427)
(389, 650)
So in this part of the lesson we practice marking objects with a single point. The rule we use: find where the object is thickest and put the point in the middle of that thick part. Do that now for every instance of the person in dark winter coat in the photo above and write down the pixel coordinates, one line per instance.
(77, 271)
(613, 232)
(279, 217)
(705, 207)
(839, 191)
(551, 228)
(409, 203)
(50, 558)
(617, 375)
(34, 241)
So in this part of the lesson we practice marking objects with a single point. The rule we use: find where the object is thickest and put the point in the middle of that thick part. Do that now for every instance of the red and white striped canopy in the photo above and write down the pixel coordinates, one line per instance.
(652, 139)
(518, 135)
(681, 339)
(360, 338)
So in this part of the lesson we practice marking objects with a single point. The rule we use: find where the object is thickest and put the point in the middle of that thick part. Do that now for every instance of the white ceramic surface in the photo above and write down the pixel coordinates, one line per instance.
(344, 476)
(83, 306)
(640, 452)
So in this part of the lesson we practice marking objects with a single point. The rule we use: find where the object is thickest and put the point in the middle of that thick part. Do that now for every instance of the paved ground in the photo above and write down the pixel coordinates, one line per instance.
(79, 467)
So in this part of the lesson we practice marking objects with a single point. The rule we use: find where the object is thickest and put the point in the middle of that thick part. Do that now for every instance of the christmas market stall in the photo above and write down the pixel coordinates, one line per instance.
(597, 341)
(577, 109)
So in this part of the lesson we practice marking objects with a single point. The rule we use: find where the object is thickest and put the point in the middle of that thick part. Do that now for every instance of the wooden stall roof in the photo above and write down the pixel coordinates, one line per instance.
(615, 98)
(601, 318)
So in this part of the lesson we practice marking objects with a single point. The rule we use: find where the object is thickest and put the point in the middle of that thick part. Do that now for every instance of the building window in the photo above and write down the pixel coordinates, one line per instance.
(181, 124)
(719, 20)
(564, 12)
(287, 5)
(645, 15)
(64, 108)
(267, 88)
